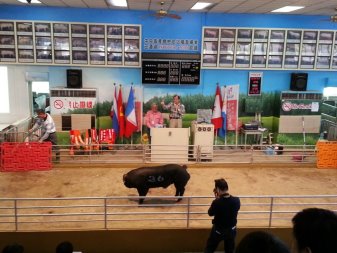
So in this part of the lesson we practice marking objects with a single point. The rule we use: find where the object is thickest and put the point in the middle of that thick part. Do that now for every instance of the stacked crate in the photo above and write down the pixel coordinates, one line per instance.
(326, 154)
(17, 156)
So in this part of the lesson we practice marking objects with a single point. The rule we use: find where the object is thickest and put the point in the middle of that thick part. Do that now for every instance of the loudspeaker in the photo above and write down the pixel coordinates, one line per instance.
(299, 81)
(74, 78)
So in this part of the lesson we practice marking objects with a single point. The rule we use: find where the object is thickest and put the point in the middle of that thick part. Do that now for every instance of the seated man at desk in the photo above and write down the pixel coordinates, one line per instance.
(153, 118)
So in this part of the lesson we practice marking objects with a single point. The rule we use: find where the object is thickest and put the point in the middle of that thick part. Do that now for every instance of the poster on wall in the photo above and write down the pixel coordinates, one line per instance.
(254, 83)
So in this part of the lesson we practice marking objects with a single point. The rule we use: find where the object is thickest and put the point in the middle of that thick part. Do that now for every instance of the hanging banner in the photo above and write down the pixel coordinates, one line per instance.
(232, 94)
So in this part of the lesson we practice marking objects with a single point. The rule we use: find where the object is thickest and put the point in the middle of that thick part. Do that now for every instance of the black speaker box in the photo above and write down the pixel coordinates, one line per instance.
(299, 81)
(74, 78)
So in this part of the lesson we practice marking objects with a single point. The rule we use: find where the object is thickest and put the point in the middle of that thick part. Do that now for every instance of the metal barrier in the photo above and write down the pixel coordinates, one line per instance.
(15, 132)
(123, 212)
(139, 153)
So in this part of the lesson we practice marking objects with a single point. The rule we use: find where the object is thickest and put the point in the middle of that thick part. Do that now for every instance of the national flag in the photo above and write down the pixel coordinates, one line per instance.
(223, 129)
(114, 112)
(120, 110)
(130, 113)
(216, 115)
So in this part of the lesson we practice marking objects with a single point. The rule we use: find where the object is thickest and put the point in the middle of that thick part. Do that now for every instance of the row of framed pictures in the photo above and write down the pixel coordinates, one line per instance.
(70, 43)
(269, 48)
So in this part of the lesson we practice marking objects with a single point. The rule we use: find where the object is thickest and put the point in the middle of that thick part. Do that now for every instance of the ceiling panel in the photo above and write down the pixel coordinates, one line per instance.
(57, 3)
(96, 3)
(314, 7)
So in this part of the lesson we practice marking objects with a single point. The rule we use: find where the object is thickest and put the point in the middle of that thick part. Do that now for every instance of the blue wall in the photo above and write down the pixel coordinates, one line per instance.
(189, 27)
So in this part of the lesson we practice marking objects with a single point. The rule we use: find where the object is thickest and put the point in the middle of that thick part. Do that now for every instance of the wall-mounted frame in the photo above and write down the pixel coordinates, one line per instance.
(66, 43)
(268, 48)
(255, 83)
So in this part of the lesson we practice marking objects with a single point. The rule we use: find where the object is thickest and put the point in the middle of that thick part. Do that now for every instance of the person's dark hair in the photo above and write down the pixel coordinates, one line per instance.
(64, 247)
(38, 111)
(176, 96)
(261, 242)
(13, 248)
(316, 228)
(221, 184)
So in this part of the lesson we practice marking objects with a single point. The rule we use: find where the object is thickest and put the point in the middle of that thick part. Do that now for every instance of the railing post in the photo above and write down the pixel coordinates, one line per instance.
(188, 212)
(271, 211)
(16, 215)
(105, 214)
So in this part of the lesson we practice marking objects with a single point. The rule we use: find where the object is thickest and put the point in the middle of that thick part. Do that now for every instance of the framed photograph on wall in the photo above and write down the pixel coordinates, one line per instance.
(62, 56)
(96, 44)
(80, 57)
(131, 58)
(79, 43)
(43, 42)
(43, 56)
(261, 35)
(226, 60)
(210, 47)
(96, 31)
(25, 42)
(6, 28)
(61, 43)
(211, 34)
(114, 31)
(115, 45)
(78, 30)
(131, 32)
(131, 45)
(228, 34)
(209, 60)
(115, 58)
(245, 34)
(25, 55)
(277, 35)
(42, 29)
(7, 41)
(7, 55)
(24, 28)
(61, 29)
(310, 36)
(275, 61)
(97, 58)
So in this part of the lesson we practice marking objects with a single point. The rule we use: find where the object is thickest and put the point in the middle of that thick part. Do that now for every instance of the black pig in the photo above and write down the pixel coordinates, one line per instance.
(145, 178)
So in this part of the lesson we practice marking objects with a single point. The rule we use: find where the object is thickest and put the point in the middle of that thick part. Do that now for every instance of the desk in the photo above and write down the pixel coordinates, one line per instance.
(257, 133)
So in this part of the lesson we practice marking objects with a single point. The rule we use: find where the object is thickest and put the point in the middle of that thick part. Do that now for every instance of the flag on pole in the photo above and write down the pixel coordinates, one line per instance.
(120, 110)
(223, 129)
(216, 115)
(130, 113)
(114, 113)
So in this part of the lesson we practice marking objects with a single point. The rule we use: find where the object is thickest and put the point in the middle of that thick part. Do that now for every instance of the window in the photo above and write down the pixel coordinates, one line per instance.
(330, 92)
(4, 96)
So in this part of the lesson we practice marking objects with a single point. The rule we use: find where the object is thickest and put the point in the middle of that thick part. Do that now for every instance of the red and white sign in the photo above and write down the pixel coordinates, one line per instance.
(60, 105)
(232, 92)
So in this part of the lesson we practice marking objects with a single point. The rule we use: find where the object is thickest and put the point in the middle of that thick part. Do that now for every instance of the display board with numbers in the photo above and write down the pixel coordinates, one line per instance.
(62, 43)
(170, 72)
(264, 48)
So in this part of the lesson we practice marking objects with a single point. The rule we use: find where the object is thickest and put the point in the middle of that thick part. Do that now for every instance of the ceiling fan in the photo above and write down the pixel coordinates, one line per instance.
(163, 13)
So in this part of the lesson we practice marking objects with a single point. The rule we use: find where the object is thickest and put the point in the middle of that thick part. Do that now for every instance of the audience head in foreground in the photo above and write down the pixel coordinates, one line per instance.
(261, 242)
(64, 247)
(13, 248)
(315, 231)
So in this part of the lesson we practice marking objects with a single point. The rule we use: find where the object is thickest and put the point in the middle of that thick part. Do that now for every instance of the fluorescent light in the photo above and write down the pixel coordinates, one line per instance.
(200, 6)
(119, 3)
(31, 2)
(288, 9)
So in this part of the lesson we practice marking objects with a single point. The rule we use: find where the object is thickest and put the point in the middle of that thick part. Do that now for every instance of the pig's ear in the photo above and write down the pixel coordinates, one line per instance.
(184, 167)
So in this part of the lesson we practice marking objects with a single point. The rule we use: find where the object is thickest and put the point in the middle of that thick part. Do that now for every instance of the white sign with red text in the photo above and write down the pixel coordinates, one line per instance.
(61, 105)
